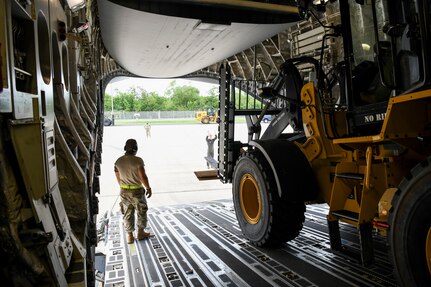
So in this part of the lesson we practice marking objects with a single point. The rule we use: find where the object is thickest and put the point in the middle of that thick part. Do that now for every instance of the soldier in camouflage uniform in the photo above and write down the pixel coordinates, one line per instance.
(130, 173)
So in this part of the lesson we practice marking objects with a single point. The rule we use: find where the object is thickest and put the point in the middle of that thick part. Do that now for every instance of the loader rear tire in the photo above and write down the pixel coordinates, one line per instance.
(265, 219)
(410, 227)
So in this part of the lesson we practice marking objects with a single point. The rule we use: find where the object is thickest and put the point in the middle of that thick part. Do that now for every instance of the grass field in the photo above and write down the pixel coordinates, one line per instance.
(158, 122)
(166, 121)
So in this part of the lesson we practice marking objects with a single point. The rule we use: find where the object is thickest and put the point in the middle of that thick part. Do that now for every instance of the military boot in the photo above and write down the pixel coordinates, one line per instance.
(142, 234)
(130, 238)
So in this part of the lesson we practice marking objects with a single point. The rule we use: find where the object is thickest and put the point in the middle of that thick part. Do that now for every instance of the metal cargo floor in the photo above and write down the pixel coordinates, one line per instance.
(202, 245)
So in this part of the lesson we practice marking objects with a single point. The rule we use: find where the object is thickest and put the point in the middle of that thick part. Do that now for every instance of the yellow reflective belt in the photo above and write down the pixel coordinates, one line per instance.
(131, 186)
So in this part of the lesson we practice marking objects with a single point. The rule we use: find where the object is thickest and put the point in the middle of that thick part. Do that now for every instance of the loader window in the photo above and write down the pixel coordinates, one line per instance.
(363, 35)
(367, 81)
(409, 54)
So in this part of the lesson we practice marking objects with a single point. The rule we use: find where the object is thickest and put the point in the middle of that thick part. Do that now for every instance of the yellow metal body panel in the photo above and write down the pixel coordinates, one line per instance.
(382, 160)
(320, 151)
(406, 117)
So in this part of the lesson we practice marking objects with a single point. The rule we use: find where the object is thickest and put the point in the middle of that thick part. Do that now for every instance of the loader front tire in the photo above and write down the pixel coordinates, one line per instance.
(265, 219)
(410, 227)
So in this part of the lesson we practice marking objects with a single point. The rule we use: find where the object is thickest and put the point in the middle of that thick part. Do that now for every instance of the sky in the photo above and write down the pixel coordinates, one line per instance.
(155, 85)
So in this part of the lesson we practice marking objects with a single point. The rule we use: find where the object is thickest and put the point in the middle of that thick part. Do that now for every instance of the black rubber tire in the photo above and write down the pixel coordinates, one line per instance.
(280, 220)
(410, 222)
(205, 120)
(107, 122)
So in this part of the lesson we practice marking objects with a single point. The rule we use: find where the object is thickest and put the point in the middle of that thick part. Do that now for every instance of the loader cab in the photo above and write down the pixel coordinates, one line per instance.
(384, 56)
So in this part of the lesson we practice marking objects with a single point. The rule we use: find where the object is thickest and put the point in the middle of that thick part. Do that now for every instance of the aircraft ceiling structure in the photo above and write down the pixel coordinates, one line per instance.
(166, 39)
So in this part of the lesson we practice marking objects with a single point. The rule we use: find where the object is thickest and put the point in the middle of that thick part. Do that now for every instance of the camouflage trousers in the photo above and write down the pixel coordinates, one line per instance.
(133, 200)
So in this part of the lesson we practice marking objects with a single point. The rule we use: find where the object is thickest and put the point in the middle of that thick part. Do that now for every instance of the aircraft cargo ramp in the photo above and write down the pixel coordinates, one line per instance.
(202, 245)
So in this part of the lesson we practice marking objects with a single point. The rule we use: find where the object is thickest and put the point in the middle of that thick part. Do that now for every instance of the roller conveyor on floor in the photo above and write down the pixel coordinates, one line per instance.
(202, 245)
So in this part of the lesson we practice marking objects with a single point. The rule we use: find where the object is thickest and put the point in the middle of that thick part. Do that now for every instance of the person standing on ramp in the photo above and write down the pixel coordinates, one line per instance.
(132, 178)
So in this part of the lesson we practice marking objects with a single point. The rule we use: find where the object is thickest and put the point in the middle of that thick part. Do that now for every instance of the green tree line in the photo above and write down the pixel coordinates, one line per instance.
(176, 98)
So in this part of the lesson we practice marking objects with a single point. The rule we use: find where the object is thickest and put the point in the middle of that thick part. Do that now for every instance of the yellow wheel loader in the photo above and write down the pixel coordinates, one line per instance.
(207, 117)
(353, 130)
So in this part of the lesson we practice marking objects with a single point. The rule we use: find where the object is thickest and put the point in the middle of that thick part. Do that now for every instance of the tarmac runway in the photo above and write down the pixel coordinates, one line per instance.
(171, 155)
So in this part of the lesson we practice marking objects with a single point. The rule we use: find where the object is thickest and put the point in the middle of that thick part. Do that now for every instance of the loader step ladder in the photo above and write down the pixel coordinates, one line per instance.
(346, 214)
(350, 175)
(348, 183)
